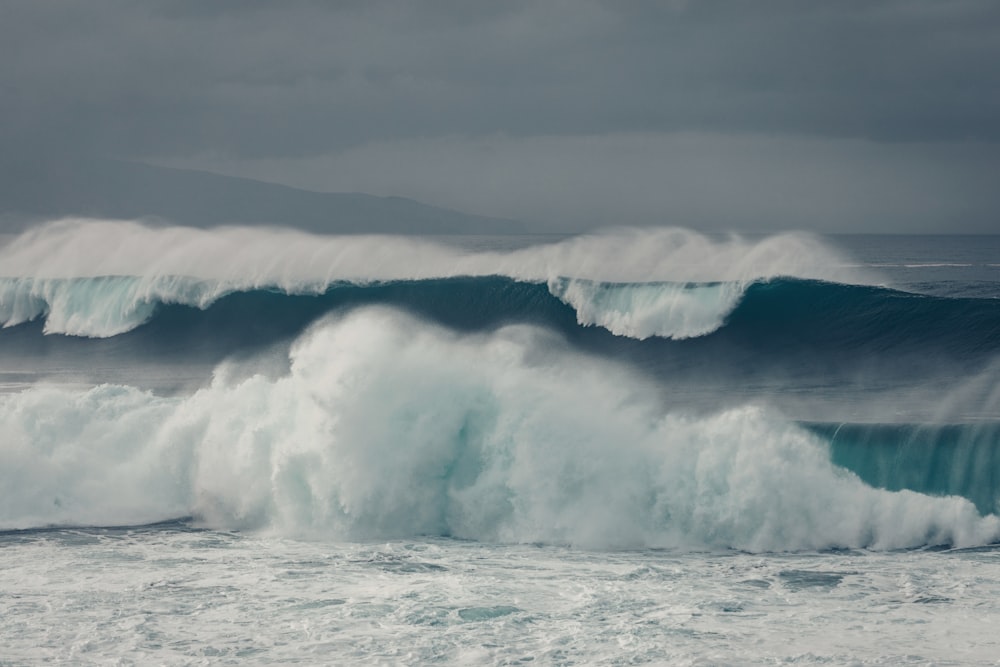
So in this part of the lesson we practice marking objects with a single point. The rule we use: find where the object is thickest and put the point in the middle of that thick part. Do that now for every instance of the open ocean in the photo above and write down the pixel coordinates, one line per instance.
(251, 446)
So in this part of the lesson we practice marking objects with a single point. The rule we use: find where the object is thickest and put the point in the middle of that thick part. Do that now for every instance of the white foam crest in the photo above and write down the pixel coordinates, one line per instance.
(668, 310)
(257, 257)
(389, 427)
(101, 306)
(43, 269)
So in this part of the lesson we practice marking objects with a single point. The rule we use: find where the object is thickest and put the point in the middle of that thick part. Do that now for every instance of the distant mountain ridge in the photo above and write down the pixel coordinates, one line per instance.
(106, 188)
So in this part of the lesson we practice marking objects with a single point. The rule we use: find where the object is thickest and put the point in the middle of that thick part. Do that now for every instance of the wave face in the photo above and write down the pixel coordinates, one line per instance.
(106, 306)
(388, 426)
(781, 318)
(653, 388)
(945, 459)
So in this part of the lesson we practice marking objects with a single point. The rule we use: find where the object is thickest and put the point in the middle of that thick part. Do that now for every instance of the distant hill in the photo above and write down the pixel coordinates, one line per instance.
(115, 189)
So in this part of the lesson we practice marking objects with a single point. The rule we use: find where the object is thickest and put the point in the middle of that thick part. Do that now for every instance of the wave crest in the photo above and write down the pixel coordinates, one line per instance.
(99, 307)
(102, 278)
(666, 310)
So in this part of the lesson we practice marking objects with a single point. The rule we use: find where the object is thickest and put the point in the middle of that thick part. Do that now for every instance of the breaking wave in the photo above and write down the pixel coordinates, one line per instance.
(386, 426)
(101, 278)
(780, 317)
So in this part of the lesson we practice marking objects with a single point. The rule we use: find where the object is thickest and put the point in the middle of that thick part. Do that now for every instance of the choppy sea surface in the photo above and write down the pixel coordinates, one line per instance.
(633, 447)
(174, 595)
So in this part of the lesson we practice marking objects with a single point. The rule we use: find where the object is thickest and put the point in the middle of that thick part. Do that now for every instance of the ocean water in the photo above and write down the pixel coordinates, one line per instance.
(631, 447)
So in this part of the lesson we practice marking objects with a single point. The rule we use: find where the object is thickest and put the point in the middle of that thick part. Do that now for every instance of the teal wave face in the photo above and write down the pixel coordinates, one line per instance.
(788, 326)
(865, 318)
(940, 460)
(781, 311)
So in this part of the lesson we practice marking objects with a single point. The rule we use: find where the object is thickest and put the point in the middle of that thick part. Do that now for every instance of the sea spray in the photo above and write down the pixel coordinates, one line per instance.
(386, 426)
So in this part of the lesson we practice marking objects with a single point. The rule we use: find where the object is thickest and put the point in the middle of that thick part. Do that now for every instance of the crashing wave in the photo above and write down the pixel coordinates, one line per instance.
(102, 278)
(389, 427)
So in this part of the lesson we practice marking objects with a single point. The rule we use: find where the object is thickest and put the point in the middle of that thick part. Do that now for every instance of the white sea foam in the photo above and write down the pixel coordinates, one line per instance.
(669, 310)
(99, 307)
(176, 597)
(389, 427)
(48, 272)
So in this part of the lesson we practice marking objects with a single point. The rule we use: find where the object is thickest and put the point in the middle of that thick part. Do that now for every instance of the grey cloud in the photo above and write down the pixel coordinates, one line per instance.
(305, 78)
(900, 97)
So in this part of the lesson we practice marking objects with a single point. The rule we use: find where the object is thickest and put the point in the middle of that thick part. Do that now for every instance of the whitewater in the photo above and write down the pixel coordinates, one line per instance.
(82, 284)
(642, 446)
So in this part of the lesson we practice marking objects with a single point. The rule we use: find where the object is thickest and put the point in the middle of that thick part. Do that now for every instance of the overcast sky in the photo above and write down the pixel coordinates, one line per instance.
(837, 116)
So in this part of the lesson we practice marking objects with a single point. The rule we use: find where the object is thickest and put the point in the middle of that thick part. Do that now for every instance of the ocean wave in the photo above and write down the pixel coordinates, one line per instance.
(386, 426)
(960, 459)
(777, 318)
(103, 278)
(106, 306)
(666, 310)
(99, 307)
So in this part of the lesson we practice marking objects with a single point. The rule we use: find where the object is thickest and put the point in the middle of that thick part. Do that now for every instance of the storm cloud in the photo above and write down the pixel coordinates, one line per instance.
(848, 116)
